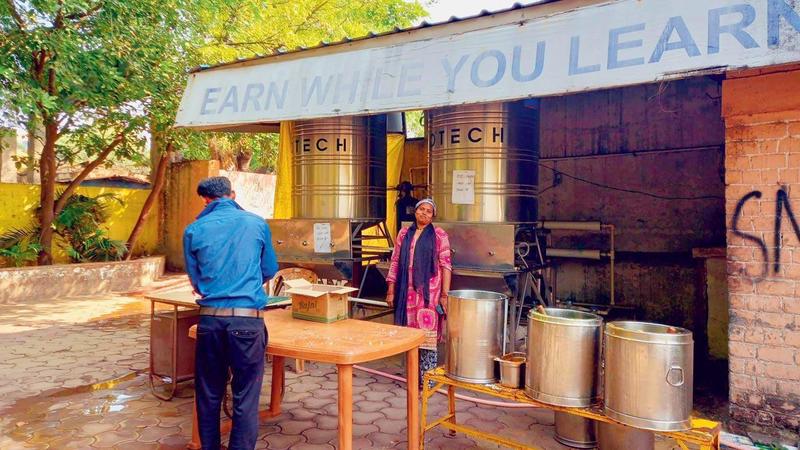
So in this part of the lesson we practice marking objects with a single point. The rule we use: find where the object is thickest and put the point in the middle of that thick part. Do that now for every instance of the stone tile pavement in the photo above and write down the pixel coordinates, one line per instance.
(72, 376)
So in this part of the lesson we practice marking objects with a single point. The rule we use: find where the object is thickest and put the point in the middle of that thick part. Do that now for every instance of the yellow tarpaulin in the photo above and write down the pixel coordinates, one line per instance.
(394, 166)
(283, 184)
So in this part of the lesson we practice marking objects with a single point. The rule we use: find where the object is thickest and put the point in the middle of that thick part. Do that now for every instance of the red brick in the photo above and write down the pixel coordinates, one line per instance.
(768, 130)
(783, 371)
(766, 304)
(742, 350)
(768, 146)
(794, 160)
(784, 355)
(789, 145)
(751, 177)
(788, 388)
(766, 386)
(733, 176)
(775, 320)
(773, 176)
(737, 163)
(794, 129)
(742, 316)
(775, 287)
(742, 381)
(774, 337)
(743, 254)
(740, 133)
(768, 161)
(736, 333)
(791, 338)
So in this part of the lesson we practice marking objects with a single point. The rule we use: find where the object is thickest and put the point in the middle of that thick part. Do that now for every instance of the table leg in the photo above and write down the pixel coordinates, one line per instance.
(345, 406)
(195, 443)
(412, 375)
(276, 390)
(451, 403)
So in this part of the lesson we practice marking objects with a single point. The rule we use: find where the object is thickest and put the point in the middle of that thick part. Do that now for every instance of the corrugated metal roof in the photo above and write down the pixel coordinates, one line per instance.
(372, 34)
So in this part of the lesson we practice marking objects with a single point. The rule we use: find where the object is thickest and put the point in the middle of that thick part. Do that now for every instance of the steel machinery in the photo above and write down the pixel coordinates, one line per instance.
(484, 163)
(338, 192)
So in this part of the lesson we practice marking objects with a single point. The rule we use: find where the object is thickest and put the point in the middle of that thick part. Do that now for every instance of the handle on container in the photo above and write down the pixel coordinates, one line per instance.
(679, 370)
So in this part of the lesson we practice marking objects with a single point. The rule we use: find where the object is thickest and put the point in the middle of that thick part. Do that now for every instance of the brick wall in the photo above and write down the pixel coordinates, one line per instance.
(762, 177)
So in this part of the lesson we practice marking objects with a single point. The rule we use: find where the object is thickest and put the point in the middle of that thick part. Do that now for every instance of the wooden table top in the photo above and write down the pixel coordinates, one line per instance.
(180, 297)
(344, 342)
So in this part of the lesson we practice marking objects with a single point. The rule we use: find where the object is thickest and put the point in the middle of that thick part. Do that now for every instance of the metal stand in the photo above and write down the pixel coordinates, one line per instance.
(704, 433)
(177, 360)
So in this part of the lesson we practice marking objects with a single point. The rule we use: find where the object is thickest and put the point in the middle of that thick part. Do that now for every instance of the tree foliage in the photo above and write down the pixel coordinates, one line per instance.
(98, 76)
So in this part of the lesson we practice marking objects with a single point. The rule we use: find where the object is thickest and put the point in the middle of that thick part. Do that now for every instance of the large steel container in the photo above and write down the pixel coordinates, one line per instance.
(563, 356)
(495, 146)
(339, 168)
(475, 330)
(575, 431)
(618, 437)
(649, 373)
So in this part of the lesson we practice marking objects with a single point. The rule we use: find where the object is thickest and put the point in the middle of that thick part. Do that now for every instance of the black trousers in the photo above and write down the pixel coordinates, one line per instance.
(238, 344)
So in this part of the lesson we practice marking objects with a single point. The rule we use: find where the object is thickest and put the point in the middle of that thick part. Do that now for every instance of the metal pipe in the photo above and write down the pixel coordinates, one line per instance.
(443, 392)
(565, 225)
(574, 253)
(611, 229)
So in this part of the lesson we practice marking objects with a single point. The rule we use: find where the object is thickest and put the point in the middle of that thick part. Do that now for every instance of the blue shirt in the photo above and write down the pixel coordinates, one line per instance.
(229, 256)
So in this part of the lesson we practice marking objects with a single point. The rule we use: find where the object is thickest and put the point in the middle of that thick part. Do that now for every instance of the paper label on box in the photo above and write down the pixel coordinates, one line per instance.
(463, 187)
(322, 238)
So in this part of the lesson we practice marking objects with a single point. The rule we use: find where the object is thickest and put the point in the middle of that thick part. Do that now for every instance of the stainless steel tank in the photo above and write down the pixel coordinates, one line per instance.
(618, 437)
(649, 371)
(339, 168)
(475, 329)
(563, 356)
(494, 148)
(575, 431)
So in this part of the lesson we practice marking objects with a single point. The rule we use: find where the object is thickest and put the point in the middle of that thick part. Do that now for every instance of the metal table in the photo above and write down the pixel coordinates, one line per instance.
(704, 433)
(182, 314)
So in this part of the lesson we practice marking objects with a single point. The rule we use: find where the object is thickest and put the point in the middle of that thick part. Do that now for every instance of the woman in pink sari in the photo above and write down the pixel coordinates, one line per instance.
(419, 279)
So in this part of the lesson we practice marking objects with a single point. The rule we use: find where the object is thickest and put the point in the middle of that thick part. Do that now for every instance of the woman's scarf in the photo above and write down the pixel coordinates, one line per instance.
(424, 269)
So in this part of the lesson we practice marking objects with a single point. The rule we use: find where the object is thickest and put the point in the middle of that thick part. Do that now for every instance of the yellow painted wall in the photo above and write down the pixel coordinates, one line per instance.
(183, 205)
(18, 203)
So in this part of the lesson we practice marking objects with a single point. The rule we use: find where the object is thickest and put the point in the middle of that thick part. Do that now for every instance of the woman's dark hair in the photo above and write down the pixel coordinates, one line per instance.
(214, 187)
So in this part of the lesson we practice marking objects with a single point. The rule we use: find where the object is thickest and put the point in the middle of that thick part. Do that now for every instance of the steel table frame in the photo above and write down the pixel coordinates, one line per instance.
(704, 433)
(173, 385)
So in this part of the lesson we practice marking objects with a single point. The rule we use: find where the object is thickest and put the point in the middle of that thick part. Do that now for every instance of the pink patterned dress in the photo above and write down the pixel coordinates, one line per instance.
(418, 315)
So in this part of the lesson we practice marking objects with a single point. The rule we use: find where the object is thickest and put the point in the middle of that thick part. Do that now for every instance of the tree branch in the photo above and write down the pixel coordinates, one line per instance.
(15, 14)
(81, 16)
(73, 185)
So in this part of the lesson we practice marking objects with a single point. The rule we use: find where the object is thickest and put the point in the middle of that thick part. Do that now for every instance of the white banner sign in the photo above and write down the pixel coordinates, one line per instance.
(620, 43)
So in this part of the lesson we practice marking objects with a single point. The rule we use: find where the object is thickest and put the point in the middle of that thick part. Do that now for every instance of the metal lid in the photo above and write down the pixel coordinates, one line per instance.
(469, 294)
(647, 332)
(569, 317)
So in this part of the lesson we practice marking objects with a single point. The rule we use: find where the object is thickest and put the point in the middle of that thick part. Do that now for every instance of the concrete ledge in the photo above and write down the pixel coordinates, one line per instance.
(42, 283)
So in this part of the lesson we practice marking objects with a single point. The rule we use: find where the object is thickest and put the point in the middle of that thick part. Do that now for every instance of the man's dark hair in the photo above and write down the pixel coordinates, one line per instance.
(214, 187)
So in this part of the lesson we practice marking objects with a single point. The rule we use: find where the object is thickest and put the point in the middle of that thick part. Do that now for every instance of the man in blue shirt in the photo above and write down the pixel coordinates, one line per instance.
(229, 256)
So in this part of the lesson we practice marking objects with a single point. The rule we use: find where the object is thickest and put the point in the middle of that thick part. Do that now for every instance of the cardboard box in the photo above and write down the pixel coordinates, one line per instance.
(318, 302)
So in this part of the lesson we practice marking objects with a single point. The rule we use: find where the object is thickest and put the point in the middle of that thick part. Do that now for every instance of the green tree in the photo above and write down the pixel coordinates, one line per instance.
(84, 71)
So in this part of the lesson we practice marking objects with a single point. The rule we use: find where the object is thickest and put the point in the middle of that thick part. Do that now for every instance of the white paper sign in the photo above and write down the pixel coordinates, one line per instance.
(463, 187)
(611, 44)
(322, 238)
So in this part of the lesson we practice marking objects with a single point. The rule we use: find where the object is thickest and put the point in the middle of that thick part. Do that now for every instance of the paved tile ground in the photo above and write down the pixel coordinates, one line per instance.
(72, 376)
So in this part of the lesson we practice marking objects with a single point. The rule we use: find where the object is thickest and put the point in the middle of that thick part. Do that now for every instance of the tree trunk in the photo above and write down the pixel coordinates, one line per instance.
(159, 179)
(243, 159)
(47, 172)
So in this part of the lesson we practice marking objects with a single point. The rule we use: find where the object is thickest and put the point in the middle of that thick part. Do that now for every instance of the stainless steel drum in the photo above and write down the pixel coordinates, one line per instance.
(563, 356)
(575, 431)
(475, 330)
(649, 373)
(495, 146)
(339, 168)
(618, 437)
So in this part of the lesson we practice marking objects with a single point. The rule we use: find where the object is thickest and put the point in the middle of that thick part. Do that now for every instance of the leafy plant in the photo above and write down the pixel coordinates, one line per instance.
(79, 223)
(19, 246)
